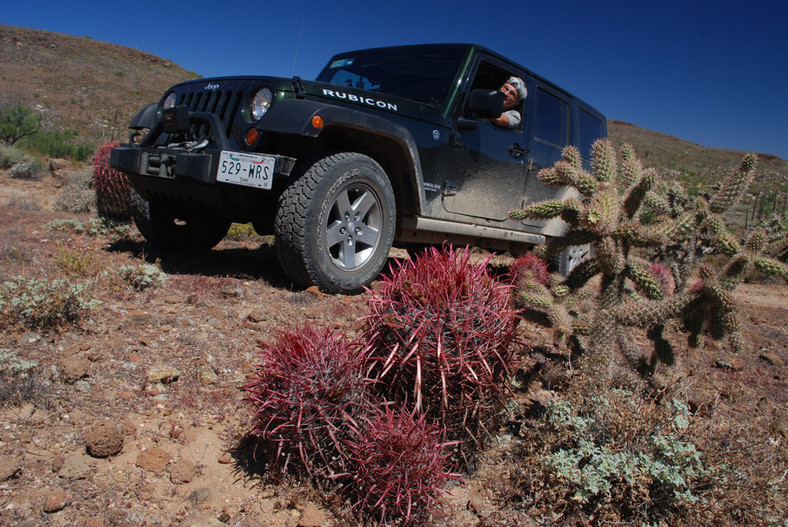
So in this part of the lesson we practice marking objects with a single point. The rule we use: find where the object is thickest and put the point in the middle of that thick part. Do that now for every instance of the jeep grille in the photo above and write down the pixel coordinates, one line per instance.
(224, 104)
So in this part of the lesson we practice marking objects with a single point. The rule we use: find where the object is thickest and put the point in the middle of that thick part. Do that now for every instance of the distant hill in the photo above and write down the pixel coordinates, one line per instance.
(96, 88)
(699, 163)
(80, 84)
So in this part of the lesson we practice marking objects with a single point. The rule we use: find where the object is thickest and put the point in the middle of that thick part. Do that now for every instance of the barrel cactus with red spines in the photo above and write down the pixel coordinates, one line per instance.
(442, 335)
(307, 393)
(400, 468)
(113, 193)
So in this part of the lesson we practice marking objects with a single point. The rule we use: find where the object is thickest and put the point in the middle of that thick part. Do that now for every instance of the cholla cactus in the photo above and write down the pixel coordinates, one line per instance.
(630, 226)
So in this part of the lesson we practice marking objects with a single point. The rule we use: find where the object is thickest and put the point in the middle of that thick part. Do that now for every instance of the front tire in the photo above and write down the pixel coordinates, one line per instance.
(184, 230)
(335, 224)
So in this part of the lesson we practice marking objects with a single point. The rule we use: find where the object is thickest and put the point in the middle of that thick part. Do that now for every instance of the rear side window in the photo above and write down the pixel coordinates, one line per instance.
(589, 129)
(552, 119)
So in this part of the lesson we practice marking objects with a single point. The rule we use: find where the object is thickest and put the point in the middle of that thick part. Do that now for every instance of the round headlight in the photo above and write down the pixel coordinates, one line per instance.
(169, 102)
(261, 102)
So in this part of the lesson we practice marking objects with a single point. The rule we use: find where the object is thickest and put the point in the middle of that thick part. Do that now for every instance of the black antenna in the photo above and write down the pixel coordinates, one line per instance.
(298, 44)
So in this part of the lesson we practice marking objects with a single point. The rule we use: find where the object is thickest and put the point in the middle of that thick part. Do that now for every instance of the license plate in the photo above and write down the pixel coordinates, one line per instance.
(251, 170)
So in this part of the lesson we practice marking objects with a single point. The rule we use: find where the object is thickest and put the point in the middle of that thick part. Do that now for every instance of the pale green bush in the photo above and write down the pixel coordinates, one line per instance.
(44, 304)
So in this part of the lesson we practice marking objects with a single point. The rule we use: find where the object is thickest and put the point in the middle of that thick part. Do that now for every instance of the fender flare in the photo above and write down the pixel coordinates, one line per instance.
(294, 116)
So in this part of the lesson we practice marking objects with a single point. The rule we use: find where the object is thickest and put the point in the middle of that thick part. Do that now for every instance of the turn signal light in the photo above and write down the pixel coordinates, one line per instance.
(317, 122)
(251, 136)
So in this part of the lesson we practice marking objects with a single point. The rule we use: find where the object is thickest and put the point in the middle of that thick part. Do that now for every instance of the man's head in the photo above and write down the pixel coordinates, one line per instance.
(515, 92)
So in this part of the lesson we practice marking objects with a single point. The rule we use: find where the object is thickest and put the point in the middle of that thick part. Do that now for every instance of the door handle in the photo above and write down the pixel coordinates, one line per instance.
(518, 151)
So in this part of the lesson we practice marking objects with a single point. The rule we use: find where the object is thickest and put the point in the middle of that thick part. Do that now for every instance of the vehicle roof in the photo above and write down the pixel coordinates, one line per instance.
(487, 51)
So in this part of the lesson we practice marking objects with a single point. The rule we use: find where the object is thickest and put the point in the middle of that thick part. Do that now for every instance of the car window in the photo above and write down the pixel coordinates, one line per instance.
(552, 119)
(589, 129)
(490, 76)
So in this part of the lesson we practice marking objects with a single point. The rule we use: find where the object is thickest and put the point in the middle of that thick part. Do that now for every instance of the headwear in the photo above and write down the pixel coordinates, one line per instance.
(519, 85)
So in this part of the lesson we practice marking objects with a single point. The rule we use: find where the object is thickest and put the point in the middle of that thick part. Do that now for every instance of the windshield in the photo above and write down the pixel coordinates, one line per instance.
(420, 73)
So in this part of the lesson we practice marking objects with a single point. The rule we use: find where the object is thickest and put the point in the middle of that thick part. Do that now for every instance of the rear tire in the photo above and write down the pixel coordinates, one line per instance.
(183, 230)
(335, 224)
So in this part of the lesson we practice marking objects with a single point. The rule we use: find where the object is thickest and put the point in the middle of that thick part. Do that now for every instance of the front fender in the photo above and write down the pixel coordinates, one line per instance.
(294, 116)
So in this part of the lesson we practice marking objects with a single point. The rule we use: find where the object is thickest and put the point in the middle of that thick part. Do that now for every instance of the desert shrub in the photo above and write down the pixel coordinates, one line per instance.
(441, 334)
(27, 168)
(308, 394)
(615, 457)
(19, 380)
(11, 364)
(142, 276)
(56, 143)
(10, 155)
(113, 193)
(82, 263)
(44, 304)
(76, 196)
(399, 468)
(93, 227)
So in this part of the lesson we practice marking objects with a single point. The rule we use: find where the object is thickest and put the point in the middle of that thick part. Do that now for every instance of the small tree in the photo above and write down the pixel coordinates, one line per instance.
(16, 122)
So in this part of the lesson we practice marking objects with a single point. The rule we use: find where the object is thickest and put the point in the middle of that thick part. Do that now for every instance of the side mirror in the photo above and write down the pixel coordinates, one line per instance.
(486, 104)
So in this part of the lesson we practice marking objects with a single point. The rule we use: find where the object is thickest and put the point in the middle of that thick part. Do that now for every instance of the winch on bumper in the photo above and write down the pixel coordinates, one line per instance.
(192, 159)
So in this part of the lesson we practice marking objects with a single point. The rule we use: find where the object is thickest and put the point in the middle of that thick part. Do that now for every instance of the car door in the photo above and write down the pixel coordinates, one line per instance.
(484, 170)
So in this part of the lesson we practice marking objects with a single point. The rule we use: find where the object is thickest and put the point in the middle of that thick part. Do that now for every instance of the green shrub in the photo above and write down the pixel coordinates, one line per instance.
(616, 458)
(44, 304)
(10, 155)
(16, 122)
(93, 227)
(242, 231)
(80, 263)
(142, 276)
(64, 144)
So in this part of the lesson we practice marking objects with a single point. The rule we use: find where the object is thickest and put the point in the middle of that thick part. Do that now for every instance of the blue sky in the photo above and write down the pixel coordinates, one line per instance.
(714, 73)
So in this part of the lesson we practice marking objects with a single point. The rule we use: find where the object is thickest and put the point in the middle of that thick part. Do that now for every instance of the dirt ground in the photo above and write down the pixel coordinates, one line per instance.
(162, 369)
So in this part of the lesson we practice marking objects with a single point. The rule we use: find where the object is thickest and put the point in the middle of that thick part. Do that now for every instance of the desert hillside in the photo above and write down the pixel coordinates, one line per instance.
(80, 84)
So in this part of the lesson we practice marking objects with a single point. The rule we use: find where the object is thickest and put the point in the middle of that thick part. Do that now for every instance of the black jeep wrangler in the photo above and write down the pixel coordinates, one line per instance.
(386, 145)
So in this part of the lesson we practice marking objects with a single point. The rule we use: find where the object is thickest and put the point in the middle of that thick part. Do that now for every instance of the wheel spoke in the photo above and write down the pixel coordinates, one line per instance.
(368, 235)
(342, 204)
(334, 234)
(348, 255)
(364, 204)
